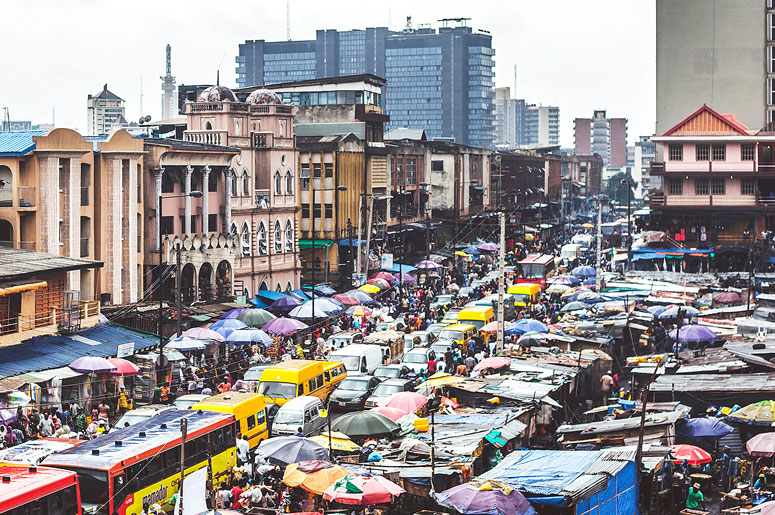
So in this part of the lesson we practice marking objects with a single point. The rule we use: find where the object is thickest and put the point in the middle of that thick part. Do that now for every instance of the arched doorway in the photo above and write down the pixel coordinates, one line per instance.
(188, 284)
(223, 280)
(6, 186)
(206, 282)
(6, 233)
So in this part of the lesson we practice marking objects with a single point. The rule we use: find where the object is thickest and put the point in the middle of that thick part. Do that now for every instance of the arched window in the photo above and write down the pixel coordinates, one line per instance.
(233, 229)
(245, 239)
(278, 183)
(261, 243)
(288, 236)
(279, 288)
(264, 286)
(208, 126)
(278, 237)
(245, 184)
(288, 183)
(289, 286)
(233, 180)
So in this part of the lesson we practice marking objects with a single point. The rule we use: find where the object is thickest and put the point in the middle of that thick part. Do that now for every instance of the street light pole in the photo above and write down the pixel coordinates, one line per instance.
(401, 240)
(427, 192)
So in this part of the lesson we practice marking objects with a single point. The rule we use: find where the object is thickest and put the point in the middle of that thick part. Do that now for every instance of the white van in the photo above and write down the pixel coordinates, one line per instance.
(302, 415)
(358, 359)
(570, 251)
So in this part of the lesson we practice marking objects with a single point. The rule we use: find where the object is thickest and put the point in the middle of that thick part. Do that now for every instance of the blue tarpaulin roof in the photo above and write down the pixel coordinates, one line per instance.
(347, 241)
(398, 267)
(301, 294)
(271, 295)
(59, 351)
(258, 303)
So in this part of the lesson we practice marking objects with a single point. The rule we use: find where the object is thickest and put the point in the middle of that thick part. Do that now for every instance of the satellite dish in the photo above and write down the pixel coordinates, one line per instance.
(148, 118)
(142, 120)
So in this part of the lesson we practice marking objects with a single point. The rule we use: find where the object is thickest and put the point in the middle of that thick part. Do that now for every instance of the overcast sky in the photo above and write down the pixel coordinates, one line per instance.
(578, 55)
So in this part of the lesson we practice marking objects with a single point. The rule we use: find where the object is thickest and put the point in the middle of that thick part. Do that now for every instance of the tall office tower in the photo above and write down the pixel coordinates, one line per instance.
(542, 126)
(602, 135)
(714, 53)
(169, 96)
(438, 80)
(103, 110)
(509, 119)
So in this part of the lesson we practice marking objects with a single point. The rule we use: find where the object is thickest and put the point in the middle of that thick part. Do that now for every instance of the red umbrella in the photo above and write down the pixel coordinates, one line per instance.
(347, 300)
(362, 489)
(691, 453)
(383, 275)
(408, 402)
(379, 283)
(727, 297)
(494, 363)
(123, 367)
(392, 413)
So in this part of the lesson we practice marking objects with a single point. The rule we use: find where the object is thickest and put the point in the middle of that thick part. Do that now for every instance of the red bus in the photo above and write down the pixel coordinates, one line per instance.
(536, 268)
(38, 491)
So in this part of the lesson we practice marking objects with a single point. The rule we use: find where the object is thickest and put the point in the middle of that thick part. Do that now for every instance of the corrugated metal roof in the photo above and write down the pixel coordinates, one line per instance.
(60, 351)
(18, 143)
(20, 263)
(358, 129)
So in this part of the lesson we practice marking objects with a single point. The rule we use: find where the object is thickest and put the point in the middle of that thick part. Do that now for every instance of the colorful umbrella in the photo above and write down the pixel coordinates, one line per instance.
(339, 441)
(185, 344)
(494, 362)
(369, 288)
(490, 328)
(203, 333)
(727, 297)
(487, 247)
(313, 476)
(408, 402)
(256, 317)
(762, 444)
(365, 424)
(428, 265)
(672, 312)
(405, 278)
(359, 311)
(346, 299)
(383, 275)
(584, 271)
(526, 325)
(361, 295)
(285, 304)
(232, 313)
(123, 367)
(439, 379)
(691, 453)
(705, 427)
(379, 283)
(284, 326)
(92, 365)
(558, 288)
(392, 413)
(284, 450)
(759, 413)
(693, 333)
(249, 337)
(484, 497)
(305, 310)
(362, 489)
(225, 327)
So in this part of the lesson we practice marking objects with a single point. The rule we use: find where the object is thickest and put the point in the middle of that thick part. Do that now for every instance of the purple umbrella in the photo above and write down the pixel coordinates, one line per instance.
(584, 271)
(285, 304)
(233, 313)
(427, 265)
(248, 337)
(488, 247)
(693, 333)
(407, 279)
(284, 326)
(566, 279)
(7, 415)
(92, 365)
(484, 497)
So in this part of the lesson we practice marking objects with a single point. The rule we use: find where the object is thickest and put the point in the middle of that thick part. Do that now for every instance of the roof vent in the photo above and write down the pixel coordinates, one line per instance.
(6, 479)
(95, 452)
(200, 412)
(142, 434)
(227, 397)
(163, 426)
(33, 469)
(119, 443)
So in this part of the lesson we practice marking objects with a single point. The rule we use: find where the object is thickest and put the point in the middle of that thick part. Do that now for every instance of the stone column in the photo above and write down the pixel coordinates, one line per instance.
(158, 175)
(129, 231)
(189, 171)
(48, 206)
(227, 211)
(205, 202)
(114, 246)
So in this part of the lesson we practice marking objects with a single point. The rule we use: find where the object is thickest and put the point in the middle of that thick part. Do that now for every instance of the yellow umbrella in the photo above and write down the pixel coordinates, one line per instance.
(313, 476)
(369, 288)
(587, 225)
(439, 379)
(339, 441)
(460, 253)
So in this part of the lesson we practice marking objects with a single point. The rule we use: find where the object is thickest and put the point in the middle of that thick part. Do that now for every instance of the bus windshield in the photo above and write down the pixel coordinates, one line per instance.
(533, 270)
(449, 334)
(94, 486)
(277, 390)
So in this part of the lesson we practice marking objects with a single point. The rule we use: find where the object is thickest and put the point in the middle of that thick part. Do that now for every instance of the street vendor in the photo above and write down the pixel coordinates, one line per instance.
(695, 498)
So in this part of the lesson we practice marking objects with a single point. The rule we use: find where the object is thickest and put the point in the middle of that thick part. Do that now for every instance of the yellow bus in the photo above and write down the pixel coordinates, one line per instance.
(249, 410)
(296, 377)
(140, 464)
(458, 333)
(477, 316)
(525, 294)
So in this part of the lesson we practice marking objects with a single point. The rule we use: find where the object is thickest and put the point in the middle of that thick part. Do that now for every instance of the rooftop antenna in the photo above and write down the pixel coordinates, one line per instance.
(6, 126)
(218, 77)
(408, 27)
(288, 20)
(515, 81)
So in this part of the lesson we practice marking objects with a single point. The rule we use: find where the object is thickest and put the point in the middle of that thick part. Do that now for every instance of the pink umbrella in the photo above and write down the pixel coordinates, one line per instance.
(408, 402)
(392, 413)
(362, 489)
(123, 367)
(92, 365)
(494, 363)
(203, 333)
(347, 300)
(691, 453)
(383, 275)
(492, 327)
(762, 444)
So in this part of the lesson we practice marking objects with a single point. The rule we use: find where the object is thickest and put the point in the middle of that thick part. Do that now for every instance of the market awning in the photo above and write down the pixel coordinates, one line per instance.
(480, 188)
(319, 244)
(21, 287)
(271, 295)
(48, 375)
(398, 267)
(348, 242)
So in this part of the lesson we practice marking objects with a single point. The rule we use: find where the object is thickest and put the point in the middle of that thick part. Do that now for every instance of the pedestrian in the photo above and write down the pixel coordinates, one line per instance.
(606, 384)
(695, 498)
(46, 425)
(243, 448)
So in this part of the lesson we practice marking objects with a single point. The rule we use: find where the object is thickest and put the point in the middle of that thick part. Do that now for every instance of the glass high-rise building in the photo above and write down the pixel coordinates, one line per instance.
(437, 80)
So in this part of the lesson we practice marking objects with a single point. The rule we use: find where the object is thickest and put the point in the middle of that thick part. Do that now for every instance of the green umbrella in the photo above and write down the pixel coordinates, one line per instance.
(255, 317)
(760, 413)
(365, 424)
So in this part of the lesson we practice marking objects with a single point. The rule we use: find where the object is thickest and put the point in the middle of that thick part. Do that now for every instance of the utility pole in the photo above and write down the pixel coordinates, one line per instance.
(598, 273)
(160, 286)
(178, 289)
(501, 279)
(183, 435)
(400, 239)
(360, 219)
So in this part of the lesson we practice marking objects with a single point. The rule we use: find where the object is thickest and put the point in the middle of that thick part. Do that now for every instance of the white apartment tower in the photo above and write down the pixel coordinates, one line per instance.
(103, 110)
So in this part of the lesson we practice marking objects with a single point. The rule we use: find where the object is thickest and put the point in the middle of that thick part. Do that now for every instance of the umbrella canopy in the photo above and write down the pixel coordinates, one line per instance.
(587, 225)
(487, 247)
(532, 339)
(693, 333)
(691, 453)
(568, 280)
(92, 365)
(759, 413)
(427, 265)
(324, 289)
(346, 299)
(392, 413)
(256, 317)
(408, 402)
(7, 415)
(249, 337)
(727, 297)
(365, 424)
(705, 427)
(186, 344)
(484, 497)
(339, 441)
(123, 367)
(361, 295)
(369, 288)
(362, 489)
(285, 304)
(762, 444)
(656, 310)
(672, 312)
(283, 326)
(359, 311)
(526, 325)
(494, 362)
(232, 313)
(301, 295)
(305, 310)
(472, 251)
(558, 288)
(492, 327)
(379, 283)
(576, 305)
(584, 271)
(383, 275)
(225, 327)
(203, 333)
(284, 450)
(405, 278)
(313, 476)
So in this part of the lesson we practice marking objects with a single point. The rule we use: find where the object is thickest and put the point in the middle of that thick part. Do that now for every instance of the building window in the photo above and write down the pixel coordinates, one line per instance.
(245, 239)
(411, 170)
(278, 183)
(718, 186)
(233, 180)
(748, 186)
(283, 159)
(747, 151)
(329, 169)
(304, 176)
(167, 184)
(676, 152)
(212, 182)
(329, 210)
(167, 223)
(701, 186)
(212, 223)
(245, 184)
(278, 237)
(261, 243)
(675, 186)
(316, 170)
(703, 152)
(288, 183)
(720, 152)
(288, 236)
(437, 166)
(305, 210)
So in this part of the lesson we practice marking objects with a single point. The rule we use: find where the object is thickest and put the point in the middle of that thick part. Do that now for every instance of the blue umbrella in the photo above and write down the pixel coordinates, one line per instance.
(472, 251)
(705, 427)
(590, 282)
(248, 337)
(566, 279)
(584, 271)
(672, 312)
(305, 310)
(656, 310)
(300, 294)
(185, 344)
(361, 296)
(225, 327)
(525, 326)
(325, 290)
(258, 303)
(232, 313)
(285, 304)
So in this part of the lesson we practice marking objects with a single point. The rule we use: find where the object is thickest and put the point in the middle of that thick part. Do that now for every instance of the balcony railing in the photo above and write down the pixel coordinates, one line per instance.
(259, 140)
(206, 137)
(657, 200)
(657, 167)
(84, 195)
(27, 196)
(6, 197)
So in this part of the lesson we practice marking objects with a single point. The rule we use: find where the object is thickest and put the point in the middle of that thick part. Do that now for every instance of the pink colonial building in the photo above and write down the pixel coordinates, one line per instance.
(261, 190)
(718, 181)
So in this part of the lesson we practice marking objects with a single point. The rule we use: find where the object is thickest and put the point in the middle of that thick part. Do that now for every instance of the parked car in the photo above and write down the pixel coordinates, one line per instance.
(417, 359)
(387, 388)
(434, 329)
(188, 400)
(351, 394)
(389, 371)
(450, 317)
(141, 414)
(302, 415)
(442, 300)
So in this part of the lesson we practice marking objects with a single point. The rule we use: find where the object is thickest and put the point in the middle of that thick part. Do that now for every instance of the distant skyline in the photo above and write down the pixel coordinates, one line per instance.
(579, 56)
